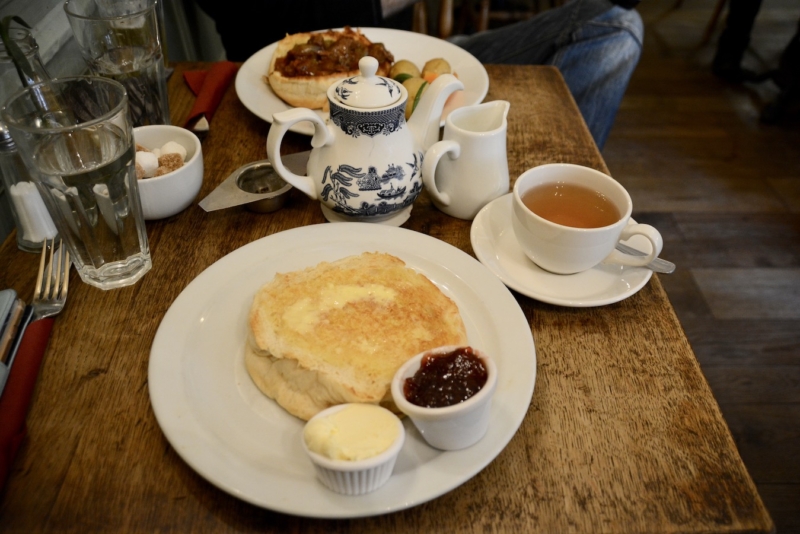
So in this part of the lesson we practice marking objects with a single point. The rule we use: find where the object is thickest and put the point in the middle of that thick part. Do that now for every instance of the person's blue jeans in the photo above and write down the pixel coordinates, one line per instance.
(595, 44)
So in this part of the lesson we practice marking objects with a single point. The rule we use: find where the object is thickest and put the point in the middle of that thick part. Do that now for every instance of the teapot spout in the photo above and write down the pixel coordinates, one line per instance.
(424, 122)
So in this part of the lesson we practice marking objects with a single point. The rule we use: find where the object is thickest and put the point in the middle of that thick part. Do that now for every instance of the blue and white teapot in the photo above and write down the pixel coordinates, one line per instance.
(366, 159)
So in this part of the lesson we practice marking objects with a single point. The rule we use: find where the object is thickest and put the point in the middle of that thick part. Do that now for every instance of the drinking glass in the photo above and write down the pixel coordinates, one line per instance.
(83, 157)
(120, 39)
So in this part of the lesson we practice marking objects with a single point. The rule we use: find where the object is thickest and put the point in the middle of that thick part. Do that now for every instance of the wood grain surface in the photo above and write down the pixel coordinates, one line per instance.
(724, 190)
(622, 435)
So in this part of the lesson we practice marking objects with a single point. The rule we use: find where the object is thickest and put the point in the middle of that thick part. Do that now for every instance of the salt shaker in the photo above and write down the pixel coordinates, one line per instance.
(33, 221)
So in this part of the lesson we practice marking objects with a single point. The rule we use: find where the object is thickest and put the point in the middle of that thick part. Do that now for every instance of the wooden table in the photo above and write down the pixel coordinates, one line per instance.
(623, 433)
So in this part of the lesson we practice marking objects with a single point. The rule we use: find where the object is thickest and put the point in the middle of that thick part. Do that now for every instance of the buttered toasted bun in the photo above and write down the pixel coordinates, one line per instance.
(338, 332)
(305, 65)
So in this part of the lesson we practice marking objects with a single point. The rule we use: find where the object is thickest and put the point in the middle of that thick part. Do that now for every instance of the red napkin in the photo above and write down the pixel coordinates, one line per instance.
(209, 86)
(18, 392)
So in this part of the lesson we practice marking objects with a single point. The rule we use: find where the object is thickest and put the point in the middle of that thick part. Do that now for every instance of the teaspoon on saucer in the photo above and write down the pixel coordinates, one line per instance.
(658, 265)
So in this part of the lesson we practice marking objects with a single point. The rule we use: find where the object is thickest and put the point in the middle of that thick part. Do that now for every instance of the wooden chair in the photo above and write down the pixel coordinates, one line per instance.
(711, 26)
(475, 15)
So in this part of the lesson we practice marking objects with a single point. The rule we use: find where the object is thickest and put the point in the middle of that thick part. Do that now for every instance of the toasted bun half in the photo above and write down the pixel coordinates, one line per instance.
(310, 91)
(338, 332)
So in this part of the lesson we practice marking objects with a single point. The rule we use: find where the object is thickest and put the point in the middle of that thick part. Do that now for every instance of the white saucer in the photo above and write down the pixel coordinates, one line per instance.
(496, 247)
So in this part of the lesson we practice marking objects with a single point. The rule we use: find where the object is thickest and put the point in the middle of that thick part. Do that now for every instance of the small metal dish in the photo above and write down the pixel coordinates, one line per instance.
(255, 185)
(259, 178)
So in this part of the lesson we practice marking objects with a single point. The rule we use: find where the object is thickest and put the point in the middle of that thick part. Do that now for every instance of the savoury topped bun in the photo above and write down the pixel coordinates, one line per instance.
(304, 65)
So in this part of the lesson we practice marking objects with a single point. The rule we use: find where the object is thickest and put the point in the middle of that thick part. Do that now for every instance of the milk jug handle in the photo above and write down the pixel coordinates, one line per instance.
(431, 161)
(281, 122)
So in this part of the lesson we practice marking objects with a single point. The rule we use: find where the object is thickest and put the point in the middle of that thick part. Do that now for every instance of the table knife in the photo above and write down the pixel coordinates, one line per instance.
(13, 331)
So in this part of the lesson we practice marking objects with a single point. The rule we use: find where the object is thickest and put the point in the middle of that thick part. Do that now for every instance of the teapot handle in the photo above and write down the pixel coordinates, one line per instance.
(281, 122)
(431, 161)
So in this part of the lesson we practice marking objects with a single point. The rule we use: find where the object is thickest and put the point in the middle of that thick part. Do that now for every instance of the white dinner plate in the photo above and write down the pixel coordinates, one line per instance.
(244, 443)
(496, 247)
(257, 96)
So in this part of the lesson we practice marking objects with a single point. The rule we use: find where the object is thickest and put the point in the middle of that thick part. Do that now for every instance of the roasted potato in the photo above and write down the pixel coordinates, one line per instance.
(403, 70)
(434, 68)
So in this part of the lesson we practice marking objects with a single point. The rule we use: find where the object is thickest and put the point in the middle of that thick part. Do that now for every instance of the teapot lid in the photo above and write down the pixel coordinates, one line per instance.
(367, 90)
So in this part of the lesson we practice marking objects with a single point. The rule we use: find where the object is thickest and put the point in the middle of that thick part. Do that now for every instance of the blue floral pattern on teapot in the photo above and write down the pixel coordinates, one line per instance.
(338, 188)
(369, 123)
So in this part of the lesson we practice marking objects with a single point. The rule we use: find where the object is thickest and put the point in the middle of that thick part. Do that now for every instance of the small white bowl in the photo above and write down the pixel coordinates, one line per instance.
(169, 194)
(452, 427)
(356, 477)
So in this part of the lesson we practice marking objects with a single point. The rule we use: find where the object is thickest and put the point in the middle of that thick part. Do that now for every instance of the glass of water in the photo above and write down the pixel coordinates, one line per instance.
(121, 40)
(81, 158)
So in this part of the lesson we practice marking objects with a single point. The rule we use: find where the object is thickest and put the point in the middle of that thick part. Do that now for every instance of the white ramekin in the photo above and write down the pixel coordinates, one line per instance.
(359, 476)
(169, 194)
(452, 427)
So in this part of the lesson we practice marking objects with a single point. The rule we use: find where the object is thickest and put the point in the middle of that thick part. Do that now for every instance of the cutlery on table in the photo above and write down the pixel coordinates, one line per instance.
(14, 317)
(49, 297)
(48, 300)
(658, 265)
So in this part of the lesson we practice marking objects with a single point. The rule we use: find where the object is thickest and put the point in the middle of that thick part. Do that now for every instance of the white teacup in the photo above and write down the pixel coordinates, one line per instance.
(568, 249)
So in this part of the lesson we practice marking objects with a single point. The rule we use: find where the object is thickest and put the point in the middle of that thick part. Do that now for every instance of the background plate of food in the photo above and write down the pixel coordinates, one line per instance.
(256, 94)
(243, 442)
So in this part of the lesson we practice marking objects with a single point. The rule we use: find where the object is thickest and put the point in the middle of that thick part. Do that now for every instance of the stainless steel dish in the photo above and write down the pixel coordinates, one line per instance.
(256, 186)
(260, 180)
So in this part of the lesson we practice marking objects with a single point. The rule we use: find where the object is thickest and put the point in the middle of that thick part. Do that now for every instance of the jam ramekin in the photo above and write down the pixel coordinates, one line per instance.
(452, 427)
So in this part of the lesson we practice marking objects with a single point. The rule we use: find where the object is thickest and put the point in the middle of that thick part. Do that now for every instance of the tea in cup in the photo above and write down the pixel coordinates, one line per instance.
(568, 219)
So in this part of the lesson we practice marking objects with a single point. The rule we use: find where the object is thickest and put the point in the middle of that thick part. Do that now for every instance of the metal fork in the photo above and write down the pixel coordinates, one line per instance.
(53, 281)
(48, 299)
